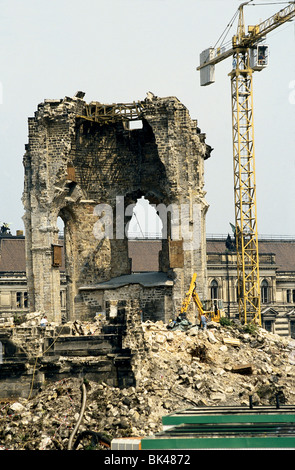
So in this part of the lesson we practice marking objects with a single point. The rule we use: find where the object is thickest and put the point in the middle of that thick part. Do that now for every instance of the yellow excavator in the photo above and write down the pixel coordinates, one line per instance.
(213, 308)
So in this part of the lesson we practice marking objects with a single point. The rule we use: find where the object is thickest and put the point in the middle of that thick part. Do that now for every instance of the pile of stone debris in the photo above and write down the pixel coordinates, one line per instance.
(176, 369)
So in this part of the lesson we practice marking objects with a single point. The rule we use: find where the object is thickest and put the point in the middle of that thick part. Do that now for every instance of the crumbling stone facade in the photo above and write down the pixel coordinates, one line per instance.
(75, 165)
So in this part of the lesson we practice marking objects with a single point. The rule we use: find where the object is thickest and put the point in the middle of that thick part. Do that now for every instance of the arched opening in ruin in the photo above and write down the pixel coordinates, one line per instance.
(144, 233)
(145, 223)
(66, 269)
(62, 284)
(61, 228)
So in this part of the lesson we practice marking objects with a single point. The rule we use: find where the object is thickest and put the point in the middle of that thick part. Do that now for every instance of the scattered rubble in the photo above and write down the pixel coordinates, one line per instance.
(174, 369)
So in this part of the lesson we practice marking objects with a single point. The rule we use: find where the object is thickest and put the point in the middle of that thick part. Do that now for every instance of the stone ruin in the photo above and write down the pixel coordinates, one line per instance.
(88, 164)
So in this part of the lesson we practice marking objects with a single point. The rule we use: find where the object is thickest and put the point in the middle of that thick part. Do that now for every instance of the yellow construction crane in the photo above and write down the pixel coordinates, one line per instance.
(249, 54)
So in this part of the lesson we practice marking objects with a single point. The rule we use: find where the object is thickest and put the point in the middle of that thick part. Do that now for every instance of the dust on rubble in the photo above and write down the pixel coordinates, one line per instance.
(174, 369)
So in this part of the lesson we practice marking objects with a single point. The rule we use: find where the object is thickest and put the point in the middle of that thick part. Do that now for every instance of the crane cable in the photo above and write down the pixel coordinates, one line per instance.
(138, 224)
(269, 3)
(230, 24)
(227, 27)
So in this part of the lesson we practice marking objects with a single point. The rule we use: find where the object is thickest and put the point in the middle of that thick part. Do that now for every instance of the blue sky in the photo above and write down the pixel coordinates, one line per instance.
(116, 51)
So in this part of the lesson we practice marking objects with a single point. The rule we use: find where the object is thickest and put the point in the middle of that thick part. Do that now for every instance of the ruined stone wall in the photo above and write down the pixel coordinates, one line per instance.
(153, 301)
(73, 166)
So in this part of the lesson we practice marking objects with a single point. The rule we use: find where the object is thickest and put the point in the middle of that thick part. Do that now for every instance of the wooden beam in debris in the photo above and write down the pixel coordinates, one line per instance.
(105, 113)
(231, 341)
(246, 369)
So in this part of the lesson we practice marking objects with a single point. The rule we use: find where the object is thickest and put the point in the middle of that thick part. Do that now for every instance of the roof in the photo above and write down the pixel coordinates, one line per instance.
(145, 254)
(283, 249)
(151, 279)
(12, 254)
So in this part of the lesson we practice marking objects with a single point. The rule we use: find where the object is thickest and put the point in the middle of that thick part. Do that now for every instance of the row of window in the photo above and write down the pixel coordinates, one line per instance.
(265, 292)
(269, 326)
(20, 299)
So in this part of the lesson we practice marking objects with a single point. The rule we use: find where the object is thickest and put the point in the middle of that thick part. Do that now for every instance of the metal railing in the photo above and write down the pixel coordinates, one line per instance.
(262, 237)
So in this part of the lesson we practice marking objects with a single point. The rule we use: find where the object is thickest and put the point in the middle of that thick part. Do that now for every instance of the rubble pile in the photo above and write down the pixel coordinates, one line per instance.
(175, 368)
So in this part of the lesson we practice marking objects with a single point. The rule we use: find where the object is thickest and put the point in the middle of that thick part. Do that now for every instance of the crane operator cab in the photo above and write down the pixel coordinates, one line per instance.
(259, 57)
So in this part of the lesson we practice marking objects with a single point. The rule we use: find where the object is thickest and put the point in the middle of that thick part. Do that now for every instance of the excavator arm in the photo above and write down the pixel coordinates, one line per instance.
(189, 295)
(213, 314)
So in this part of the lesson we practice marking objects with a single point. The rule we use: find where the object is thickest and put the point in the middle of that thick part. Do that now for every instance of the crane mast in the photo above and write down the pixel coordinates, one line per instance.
(245, 188)
(248, 56)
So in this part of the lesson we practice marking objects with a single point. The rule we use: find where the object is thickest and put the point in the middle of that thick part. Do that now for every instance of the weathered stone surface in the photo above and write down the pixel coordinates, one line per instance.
(73, 165)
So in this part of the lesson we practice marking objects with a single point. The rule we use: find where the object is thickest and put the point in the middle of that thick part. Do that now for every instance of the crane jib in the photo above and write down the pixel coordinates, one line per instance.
(249, 55)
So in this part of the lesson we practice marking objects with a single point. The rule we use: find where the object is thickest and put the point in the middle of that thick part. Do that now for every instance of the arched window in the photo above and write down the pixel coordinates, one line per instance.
(214, 289)
(264, 292)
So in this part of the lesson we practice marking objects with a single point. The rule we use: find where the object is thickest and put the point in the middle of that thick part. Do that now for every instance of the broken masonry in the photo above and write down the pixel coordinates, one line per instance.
(82, 155)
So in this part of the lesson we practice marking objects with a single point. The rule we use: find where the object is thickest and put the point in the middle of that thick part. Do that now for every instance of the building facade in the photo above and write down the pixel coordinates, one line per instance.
(277, 280)
(13, 280)
(14, 298)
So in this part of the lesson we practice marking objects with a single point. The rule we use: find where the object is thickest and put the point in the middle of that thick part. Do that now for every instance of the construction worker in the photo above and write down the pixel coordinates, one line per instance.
(44, 321)
(203, 322)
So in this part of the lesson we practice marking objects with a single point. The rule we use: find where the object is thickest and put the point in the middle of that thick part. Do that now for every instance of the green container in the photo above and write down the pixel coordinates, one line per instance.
(226, 428)
(229, 415)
